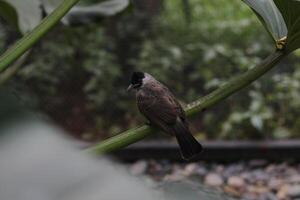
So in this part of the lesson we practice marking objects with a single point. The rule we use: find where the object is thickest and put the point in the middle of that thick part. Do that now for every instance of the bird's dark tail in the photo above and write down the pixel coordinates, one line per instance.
(189, 146)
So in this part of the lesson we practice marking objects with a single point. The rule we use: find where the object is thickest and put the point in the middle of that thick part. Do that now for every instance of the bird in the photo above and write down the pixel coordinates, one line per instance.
(156, 102)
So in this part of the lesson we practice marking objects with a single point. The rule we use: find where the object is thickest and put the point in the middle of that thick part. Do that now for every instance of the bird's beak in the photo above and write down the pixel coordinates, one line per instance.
(129, 87)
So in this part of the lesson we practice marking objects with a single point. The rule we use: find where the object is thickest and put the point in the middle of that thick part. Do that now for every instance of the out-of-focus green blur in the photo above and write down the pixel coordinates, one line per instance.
(78, 74)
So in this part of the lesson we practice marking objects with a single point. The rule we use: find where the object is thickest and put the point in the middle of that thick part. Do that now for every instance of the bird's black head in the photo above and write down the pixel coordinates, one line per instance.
(137, 79)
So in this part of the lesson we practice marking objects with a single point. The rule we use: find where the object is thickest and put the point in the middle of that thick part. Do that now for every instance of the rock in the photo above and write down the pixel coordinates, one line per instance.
(257, 189)
(139, 167)
(236, 182)
(201, 171)
(260, 176)
(283, 192)
(281, 168)
(249, 196)
(233, 169)
(190, 169)
(174, 177)
(232, 191)
(294, 179)
(166, 166)
(291, 172)
(218, 168)
(275, 183)
(293, 191)
(271, 182)
(155, 168)
(247, 176)
(271, 168)
(267, 196)
(213, 179)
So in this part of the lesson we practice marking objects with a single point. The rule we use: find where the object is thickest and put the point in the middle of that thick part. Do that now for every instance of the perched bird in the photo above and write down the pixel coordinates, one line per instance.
(160, 107)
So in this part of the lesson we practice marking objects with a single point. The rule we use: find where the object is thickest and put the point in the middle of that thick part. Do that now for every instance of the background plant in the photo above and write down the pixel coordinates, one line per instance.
(87, 93)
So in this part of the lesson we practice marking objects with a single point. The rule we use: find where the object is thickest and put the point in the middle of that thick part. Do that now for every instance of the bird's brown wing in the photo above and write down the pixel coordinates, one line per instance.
(160, 108)
(178, 107)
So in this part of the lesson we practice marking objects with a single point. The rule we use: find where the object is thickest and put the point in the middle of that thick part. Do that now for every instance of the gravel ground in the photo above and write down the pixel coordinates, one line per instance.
(253, 180)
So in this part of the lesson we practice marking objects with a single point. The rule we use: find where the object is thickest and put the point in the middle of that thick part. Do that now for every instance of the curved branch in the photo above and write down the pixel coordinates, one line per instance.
(26, 42)
(10, 72)
(133, 135)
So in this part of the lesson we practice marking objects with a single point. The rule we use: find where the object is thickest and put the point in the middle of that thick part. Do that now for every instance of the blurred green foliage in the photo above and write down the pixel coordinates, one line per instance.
(78, 75)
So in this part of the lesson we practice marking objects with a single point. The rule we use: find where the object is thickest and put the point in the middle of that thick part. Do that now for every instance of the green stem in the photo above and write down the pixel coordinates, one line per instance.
(122, 140)
(133, 135)
(26, 42)
(10, 72)
(235, 84)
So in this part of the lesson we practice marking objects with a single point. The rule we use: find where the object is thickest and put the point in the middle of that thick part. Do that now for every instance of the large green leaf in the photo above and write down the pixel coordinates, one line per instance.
(105, 8)
(270, 16)
(290, 10)
(8, 13)
(26, 13)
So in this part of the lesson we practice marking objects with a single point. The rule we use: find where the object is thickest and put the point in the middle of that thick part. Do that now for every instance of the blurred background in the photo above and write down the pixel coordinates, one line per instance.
(78, 74)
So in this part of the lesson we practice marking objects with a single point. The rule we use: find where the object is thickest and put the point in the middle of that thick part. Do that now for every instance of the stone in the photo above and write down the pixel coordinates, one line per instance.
(293, 191)
(260, 176)
(201, 171)
(283, 192)
(139, 167)
(232, 191)
(291, 172)
(233, 169)
(218, 168)
(174, 177)
(190, 169)
(257, 189)
(294, 179)
(236, 182)
(247, 176)
(271, 168)
(249, 196)
(267, 196)
(213, 179)
(275, 183)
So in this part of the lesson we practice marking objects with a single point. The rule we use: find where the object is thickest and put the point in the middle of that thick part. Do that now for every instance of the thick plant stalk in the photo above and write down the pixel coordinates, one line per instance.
(26, 42)
(133, 135)
(235, 84)
(6, 75)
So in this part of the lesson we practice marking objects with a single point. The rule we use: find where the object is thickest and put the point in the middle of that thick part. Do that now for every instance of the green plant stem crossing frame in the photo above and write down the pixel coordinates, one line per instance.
(133, 135)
